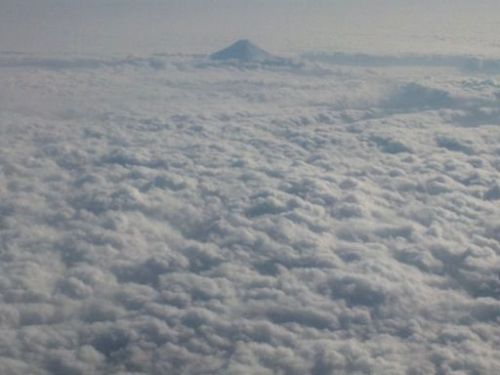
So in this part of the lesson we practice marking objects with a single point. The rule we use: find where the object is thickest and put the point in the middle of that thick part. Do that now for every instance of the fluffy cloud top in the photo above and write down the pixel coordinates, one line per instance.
(173, 215)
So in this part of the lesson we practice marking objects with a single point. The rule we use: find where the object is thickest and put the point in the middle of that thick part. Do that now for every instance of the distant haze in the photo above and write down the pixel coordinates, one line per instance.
(196, 26)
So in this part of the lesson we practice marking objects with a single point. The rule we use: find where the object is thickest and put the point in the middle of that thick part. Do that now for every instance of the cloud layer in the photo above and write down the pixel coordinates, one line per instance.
(184, 217)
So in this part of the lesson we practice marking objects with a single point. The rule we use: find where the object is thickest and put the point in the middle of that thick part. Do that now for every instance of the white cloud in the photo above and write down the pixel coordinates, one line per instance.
(187, 218)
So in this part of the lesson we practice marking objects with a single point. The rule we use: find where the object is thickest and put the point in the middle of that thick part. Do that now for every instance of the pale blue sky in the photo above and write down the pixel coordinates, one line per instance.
(146, 26)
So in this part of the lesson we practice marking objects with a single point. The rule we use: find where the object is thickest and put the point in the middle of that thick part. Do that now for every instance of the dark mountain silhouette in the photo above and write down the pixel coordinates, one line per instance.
(244, 51)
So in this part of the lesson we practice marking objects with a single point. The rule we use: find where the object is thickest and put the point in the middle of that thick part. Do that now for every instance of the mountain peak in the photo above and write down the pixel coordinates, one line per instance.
(243, 50)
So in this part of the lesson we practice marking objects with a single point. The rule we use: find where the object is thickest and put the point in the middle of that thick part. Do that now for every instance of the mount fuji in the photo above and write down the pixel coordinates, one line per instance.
(244, 51)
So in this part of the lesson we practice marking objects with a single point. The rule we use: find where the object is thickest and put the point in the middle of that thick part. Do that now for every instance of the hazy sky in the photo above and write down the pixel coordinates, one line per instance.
(126, 26)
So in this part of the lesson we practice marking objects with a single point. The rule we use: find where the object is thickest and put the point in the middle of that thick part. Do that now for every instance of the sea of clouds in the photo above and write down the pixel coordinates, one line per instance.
(172, 215)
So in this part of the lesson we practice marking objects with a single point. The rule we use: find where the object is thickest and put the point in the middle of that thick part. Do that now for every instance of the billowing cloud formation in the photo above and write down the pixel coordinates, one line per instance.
(181, 217)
